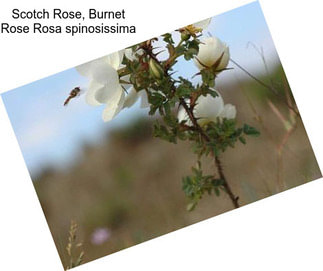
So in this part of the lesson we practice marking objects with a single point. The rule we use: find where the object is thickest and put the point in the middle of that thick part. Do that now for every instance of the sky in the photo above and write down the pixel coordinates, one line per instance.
(51, 135)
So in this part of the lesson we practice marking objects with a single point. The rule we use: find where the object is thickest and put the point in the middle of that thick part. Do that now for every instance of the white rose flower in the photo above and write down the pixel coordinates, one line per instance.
(208, 108)
(133, 95)
(105, 87)
(210, 51)
(229, 112)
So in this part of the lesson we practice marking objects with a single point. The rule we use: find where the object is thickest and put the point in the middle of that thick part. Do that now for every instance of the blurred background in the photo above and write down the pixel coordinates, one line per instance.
(121, 185)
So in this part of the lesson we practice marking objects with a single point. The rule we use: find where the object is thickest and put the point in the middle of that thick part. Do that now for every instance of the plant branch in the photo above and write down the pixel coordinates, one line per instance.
(227, 188)
(189, 111)
(217, 161)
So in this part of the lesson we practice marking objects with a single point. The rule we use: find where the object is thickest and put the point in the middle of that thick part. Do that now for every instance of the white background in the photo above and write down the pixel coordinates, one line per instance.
(283, 232)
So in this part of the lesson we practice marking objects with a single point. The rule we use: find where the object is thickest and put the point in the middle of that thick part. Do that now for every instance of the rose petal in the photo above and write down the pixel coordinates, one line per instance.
(208, 108)
(144, 99)
(114, 105)
(229, 112)
(131, 98)
(104, 74)
(84, 69)
(115, 59)
(103, 95)
(210, 50)
(225, 59)
(90, 93)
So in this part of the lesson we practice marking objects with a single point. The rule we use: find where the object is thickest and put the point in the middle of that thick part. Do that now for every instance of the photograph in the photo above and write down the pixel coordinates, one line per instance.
(160, 135)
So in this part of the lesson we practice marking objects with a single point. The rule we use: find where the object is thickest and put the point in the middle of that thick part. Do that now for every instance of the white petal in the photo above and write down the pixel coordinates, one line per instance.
(208, 108)
(84, 69)
(114, 105)
(144, 99)
(90, 93)
(104, 74)
(115, 59)
(131, 98)
(203, 24)
(225, 59)
(103, 95)
(229, 112)
(210, 50)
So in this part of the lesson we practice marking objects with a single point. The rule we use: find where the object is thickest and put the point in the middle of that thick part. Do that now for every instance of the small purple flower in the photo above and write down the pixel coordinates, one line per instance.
(100, 236)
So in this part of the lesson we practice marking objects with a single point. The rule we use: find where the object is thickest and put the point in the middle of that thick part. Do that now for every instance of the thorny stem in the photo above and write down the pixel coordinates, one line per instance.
(217, 161)
(226, 186)
(189, 111)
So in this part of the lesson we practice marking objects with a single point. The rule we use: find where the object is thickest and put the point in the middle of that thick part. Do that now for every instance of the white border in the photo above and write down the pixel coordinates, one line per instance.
(283, 232)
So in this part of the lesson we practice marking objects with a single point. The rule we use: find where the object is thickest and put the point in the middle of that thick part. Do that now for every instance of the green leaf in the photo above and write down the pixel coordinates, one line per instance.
(168, 38)
(180, 50)
(248, 130)
(217, 191)
(242, 140)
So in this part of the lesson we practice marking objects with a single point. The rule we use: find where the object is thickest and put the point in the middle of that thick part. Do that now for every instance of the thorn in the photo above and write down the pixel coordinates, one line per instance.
(196, 74)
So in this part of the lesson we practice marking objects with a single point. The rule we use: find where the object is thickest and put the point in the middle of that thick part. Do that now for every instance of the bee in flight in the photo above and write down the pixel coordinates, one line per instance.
(74, 93)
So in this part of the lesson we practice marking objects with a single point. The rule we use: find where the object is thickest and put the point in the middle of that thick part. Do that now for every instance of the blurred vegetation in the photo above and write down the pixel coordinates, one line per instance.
(131, 183)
